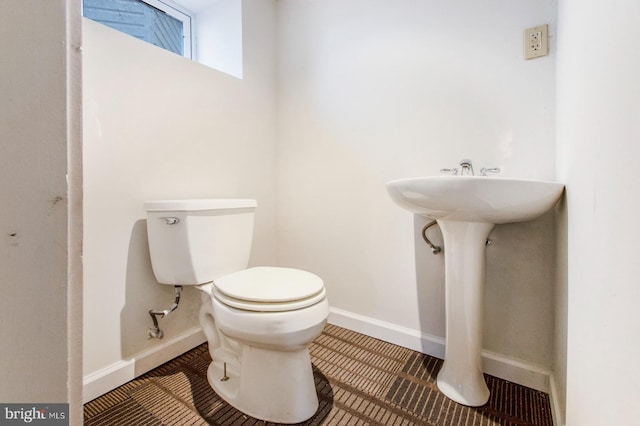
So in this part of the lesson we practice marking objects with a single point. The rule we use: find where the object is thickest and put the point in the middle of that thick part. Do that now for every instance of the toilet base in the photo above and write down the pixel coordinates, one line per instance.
(268, 385)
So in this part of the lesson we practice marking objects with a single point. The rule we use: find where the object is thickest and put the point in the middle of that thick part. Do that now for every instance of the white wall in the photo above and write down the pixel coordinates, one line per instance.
(376, 90)
(219, 36)
(159, 126)
(367, 92)
(39, 188)
(598, 134)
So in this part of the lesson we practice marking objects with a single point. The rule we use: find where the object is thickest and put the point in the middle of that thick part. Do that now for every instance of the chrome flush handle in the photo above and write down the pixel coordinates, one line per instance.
(170, 220)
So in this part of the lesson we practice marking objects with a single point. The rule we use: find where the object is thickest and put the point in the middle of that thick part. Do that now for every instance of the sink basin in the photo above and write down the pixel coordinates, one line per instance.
(475, 198)
(467, 208)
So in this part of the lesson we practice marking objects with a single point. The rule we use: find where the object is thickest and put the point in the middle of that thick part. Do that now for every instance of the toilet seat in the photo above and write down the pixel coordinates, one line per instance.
(269, 289)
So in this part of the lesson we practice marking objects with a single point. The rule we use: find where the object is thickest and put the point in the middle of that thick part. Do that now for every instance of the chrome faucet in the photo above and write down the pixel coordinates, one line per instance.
(466, 168)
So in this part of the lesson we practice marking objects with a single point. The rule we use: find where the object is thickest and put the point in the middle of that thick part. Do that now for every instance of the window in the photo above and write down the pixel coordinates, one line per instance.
(162, 23)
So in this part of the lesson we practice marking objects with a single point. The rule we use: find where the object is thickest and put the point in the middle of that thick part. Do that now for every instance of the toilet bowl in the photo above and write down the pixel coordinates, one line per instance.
(258, 321)
(264, 348)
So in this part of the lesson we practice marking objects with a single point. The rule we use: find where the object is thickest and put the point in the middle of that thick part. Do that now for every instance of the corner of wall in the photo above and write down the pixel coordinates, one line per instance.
(74, 206)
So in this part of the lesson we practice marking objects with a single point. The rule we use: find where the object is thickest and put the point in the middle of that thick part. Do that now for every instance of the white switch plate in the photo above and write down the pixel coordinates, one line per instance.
(536, 42)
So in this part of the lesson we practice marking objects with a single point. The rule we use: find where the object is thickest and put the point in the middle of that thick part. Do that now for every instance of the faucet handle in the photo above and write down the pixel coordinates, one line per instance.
(453, 171)
(484, 170)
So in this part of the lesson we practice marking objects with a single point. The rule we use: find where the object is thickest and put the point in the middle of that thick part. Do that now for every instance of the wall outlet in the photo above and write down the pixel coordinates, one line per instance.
(536, 42)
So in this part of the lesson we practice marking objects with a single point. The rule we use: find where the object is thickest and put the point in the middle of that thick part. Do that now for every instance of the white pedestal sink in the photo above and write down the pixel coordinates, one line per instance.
(467, 208)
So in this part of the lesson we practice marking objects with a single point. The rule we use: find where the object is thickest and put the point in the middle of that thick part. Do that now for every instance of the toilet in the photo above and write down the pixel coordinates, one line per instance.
(258, 321)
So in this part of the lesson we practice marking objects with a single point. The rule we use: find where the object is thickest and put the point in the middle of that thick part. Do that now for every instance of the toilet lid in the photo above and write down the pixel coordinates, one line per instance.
(270, 285)
(267, 306)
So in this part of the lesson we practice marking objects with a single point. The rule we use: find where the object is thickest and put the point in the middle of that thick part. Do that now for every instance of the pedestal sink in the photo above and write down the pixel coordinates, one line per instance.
(467, 208)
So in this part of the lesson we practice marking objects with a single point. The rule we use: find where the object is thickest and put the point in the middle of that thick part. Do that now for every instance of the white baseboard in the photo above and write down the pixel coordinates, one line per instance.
(497, 365)
(392, 333)
(106, 379)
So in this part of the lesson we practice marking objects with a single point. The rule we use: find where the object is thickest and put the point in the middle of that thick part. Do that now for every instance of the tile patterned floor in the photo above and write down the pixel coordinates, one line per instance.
(360, 381)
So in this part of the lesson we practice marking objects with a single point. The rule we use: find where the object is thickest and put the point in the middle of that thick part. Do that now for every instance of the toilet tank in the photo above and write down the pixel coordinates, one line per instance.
(196, 241)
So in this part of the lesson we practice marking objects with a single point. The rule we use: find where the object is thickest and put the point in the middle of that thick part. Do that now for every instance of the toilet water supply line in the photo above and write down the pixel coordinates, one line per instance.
(155, 332)
(434, 248)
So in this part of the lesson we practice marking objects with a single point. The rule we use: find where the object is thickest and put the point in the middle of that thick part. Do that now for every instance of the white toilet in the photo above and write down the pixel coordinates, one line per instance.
(258, 321)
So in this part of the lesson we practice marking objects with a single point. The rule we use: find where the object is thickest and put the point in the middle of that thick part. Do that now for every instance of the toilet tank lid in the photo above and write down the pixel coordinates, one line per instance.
(199, 204)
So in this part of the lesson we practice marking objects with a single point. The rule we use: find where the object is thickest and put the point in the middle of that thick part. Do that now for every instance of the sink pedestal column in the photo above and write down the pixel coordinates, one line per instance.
(461, 377)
